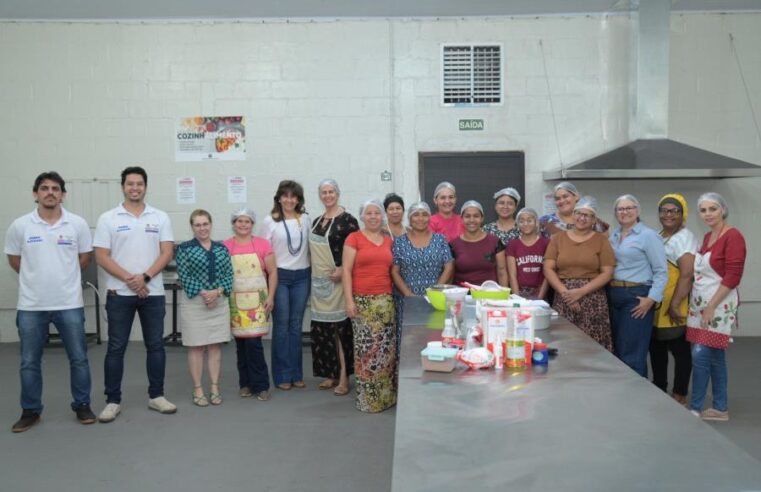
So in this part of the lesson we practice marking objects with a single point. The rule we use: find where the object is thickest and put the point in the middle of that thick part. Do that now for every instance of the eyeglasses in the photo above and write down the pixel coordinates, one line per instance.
(670, 211)
(625, 209)
(583, 215)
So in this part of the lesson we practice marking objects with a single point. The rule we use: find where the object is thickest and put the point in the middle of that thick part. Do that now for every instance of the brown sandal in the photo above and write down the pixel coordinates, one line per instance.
(299, 384)
(284, 386)
(327, 384)
(341, 390)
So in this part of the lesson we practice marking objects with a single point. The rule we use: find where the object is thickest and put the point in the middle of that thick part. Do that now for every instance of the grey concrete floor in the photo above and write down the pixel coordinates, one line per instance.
(299, 440)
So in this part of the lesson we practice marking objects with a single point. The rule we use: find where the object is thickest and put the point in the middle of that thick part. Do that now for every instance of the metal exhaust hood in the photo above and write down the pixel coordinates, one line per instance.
(655, 156)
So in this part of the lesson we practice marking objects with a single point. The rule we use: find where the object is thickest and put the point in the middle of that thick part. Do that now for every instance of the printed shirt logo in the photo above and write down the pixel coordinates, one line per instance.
(33, 239)
(152, 228)
(65, 240)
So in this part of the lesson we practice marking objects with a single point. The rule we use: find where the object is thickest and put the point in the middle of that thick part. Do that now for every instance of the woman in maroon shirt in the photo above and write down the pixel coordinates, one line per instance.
(525, 256)
(712, 314)
(478, 256)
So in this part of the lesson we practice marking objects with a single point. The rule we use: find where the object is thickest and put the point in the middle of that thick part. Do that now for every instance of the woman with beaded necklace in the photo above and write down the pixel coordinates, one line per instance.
(287, 229)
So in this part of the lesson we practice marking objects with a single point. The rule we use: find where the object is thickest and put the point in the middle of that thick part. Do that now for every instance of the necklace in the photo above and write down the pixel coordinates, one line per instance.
(293, 251)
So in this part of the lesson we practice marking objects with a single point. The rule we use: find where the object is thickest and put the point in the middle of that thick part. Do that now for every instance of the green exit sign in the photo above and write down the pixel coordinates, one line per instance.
(466, 125)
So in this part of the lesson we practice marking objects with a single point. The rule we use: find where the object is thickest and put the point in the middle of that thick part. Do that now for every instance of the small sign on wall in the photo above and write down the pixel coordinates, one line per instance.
(210, 138)
(471, 125)
(186, 190)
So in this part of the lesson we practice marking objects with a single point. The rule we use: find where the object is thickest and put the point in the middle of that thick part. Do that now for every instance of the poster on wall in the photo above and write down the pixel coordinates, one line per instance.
(210, 138)
(186, 190)
(236, 189)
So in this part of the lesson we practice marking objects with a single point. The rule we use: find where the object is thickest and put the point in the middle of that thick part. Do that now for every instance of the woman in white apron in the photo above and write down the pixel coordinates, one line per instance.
(204, 271)
(712, 313)
(251, 302)
(331, 332)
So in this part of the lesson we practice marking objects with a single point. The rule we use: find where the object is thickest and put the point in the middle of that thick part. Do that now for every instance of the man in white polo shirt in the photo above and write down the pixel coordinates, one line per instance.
(48, 248)
(133, 243)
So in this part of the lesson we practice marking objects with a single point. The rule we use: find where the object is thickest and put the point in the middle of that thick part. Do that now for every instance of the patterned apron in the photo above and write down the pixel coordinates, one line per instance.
(706, 283)
(327, 297)
(248, 318)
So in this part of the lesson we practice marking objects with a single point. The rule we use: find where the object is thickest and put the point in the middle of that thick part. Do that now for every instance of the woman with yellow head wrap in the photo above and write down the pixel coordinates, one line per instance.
(670, 317)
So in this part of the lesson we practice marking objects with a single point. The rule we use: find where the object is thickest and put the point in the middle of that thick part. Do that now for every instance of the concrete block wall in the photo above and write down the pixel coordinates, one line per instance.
(347, 99)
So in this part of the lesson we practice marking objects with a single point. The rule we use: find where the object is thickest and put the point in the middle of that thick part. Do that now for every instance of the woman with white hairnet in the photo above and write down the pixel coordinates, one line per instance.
(478, 256)
(578, 264)
(506, 203)
(367, 261)
(712, 314)
(446, 221)
(331, 333)
(525, 257)
(251, 302)
(566, 197)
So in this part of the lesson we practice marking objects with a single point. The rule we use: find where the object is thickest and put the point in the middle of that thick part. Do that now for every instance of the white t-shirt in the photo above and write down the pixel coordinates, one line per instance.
(679, 244)
(50, 278)
(135, 243)
(275, 233)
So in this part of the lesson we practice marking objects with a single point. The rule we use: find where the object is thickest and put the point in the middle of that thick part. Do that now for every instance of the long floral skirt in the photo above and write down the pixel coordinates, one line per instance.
(593, 318)
(375, 352)
(325, 337)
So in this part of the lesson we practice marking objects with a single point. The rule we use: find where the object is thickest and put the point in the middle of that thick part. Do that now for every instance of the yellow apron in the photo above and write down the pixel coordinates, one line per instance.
(327, 297)
(248, 318)
(665, 328)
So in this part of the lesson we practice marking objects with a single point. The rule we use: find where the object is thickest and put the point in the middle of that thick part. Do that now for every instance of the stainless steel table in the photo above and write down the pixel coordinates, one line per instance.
(587, 423)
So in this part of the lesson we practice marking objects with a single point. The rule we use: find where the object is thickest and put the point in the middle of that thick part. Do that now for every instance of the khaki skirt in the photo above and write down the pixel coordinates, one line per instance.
(200, 325)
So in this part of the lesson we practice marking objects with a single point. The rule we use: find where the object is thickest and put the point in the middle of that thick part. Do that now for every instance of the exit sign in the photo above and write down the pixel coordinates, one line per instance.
(466, 125)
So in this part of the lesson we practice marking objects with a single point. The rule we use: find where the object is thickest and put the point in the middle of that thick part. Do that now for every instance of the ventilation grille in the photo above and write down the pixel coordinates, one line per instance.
(472, 74)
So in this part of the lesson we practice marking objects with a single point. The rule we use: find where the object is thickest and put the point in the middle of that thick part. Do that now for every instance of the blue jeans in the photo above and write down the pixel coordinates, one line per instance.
(708, 363)
(631, 337)
(252, 367)
(121, 313)
(287, 317)
(33, 334)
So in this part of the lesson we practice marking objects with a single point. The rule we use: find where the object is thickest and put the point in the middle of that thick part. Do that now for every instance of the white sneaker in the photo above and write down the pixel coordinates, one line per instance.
(162, 405)
(109, 413)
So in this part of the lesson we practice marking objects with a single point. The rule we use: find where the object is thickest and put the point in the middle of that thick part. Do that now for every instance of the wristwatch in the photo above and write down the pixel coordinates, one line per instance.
(146, 278)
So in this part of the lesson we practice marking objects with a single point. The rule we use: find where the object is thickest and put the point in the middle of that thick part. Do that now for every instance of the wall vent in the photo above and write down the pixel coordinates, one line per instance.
(471, 74)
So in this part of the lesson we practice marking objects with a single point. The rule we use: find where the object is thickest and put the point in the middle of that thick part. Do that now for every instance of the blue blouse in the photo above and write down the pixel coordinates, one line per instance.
(641, 258)
(421, 267)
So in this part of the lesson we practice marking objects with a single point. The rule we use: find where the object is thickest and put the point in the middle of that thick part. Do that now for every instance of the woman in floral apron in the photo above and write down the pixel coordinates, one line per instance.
(331, 333)
(251, 302)
(712, 313)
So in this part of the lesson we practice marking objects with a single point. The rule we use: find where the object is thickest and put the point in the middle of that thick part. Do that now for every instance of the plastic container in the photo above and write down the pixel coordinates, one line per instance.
(490, 294)
(540, 355)
(438, 359)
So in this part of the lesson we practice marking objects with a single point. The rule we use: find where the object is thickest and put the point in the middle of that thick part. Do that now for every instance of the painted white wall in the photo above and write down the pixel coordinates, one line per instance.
(349, 99)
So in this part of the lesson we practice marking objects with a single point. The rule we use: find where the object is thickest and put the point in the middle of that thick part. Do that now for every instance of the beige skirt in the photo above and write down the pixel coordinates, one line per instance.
(200, 325)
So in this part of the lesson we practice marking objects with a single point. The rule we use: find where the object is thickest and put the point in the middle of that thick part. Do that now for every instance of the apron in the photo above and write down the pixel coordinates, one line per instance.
(707, 282)
(327, 297)
(248, 318)
(666, 328)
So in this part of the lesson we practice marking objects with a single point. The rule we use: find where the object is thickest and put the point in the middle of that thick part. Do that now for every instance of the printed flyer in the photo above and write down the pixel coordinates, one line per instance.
(210, 138)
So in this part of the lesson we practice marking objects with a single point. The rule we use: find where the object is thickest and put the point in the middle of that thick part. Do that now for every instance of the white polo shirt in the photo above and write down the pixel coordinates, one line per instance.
(135, 243)
(49, 277)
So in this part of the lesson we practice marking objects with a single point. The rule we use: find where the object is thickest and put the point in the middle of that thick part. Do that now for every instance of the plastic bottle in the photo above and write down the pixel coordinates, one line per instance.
(498, 356)
(516, 352)
(448, 334)
(540, 355)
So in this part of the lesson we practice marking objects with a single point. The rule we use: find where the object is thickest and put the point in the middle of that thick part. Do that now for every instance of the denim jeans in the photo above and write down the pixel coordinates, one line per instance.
(121, 313)
(708, 363)
(631, 337)
(287, 317)
(33, 334)
(252, 367)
